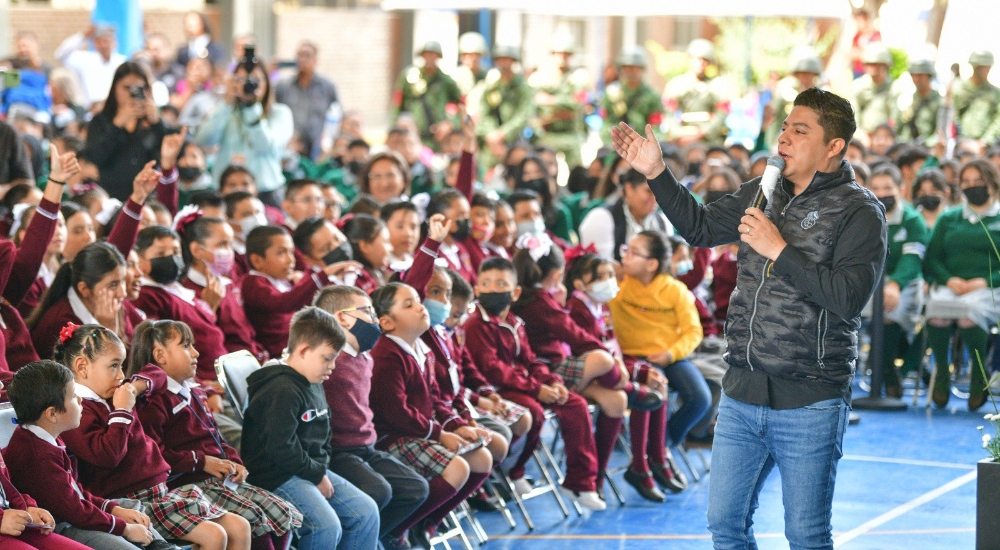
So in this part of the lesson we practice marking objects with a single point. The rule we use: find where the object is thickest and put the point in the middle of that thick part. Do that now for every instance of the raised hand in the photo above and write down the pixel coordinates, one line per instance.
(170, 147)
(642, 153)
(438, 227)
(469, 139)
(62, 167)
(145, 182)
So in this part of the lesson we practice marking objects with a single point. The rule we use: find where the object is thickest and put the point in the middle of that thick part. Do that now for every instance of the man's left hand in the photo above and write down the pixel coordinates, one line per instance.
(763, 236)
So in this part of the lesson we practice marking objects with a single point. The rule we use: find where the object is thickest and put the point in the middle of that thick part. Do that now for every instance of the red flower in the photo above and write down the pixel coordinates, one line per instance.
(67, 332)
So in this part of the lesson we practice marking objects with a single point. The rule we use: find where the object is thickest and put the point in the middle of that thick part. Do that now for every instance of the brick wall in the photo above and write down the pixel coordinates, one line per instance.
(355, 50)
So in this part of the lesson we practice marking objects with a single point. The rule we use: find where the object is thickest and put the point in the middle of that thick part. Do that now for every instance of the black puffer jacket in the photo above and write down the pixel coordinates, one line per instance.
(796, 318)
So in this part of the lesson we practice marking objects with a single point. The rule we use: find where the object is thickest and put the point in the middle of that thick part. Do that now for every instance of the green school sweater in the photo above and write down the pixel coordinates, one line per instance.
(908, 236)
(961, 248)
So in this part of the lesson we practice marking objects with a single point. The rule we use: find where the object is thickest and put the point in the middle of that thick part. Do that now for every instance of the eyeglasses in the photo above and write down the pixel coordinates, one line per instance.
(367, 309)
(312, 200)
(624, 250)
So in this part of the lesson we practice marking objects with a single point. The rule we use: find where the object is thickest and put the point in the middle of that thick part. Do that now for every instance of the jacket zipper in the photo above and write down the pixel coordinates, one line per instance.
(753, 314)
(821, 326)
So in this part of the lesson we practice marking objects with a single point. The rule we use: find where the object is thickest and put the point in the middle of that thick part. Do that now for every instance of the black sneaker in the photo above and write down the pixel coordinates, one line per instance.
(665, 477)
(483, 502)
(644, 399)
(635, 479)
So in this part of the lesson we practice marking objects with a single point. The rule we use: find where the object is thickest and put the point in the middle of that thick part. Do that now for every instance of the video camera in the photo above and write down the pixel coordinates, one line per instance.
(250, 85)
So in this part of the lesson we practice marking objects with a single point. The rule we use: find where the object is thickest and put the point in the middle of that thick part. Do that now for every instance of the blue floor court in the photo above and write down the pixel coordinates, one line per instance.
(907, 481)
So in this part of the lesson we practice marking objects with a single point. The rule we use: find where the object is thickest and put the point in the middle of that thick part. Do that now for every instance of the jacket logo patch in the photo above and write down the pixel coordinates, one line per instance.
(810, 220)
(900, 236)
(313, 414)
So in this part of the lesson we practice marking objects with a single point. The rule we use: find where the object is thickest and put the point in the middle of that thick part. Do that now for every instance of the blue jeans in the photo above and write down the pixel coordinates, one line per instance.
(690, 384)
(348, 520)
(805, 445)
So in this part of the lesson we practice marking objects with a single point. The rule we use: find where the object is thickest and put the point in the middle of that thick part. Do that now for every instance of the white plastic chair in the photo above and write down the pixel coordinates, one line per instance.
(233, 369)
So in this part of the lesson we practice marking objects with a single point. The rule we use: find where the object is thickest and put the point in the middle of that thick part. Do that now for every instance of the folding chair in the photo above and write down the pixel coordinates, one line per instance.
(233, 369)
(549, 485)
(464, 511)
(549, 454)
(8, 422)
(453, 530)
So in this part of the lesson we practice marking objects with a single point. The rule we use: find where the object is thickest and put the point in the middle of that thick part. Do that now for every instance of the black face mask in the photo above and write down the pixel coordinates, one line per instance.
(188, 173)
(462, 230)
(166, 269)
(495, 302)
(977, 196)
(366, 333)
(694, 169)
(340, 254)
(888, 202)
(712, 196)
(538, 185)
(354, 166)
(929, 202)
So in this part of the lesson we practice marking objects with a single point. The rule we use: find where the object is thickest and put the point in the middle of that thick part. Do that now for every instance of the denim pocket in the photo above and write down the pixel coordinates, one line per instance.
(826, 405)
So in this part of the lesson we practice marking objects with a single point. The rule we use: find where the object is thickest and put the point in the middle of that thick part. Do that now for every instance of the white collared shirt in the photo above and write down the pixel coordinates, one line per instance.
(182, 389)
(349, 350)
(42, 434)
(280, 284)
(450, 251)
(972, 217)
(83, 392)
(418, 352)
(80, 309)
(173, 288)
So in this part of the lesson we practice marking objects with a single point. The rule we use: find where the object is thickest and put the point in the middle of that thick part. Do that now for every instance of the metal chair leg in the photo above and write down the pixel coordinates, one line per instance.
(495, 492)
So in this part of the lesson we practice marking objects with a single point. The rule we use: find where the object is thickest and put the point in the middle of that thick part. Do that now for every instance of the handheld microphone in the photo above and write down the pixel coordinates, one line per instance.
(768, 181)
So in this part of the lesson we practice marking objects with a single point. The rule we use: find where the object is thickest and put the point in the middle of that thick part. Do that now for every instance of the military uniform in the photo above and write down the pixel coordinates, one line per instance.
(873, 104)
(977, 108)
(471, 83)
(506, 106)
(700, 103)
(802, 60)
(916, 117)
(635, 106)
(426, 97)
(560, 126)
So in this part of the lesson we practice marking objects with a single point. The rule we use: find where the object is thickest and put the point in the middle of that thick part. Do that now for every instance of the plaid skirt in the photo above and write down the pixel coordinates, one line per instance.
(426, 457)
(176, 512)
(514, 413)
(571, 370)
(266, 512)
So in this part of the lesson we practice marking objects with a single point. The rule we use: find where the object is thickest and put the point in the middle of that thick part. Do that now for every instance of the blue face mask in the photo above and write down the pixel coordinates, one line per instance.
(366, 333)
(437, 311)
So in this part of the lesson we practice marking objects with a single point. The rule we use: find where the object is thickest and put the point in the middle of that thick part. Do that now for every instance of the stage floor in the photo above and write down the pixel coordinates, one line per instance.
(907, 481)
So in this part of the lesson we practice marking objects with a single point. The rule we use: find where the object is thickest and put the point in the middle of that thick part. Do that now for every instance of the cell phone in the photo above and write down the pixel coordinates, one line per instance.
(33, 525)
(472, 446)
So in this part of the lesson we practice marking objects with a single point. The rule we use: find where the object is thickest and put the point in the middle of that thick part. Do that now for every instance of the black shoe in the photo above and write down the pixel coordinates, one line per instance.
(161, 545)
(419, 537)
(665, 477)
(644, 399)
(392, 543)
(635, 479)
(483, 502)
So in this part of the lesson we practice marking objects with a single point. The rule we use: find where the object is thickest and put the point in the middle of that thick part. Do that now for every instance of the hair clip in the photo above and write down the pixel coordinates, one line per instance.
(579, 250)
(186, 216)
(538, 246)
(67, 332)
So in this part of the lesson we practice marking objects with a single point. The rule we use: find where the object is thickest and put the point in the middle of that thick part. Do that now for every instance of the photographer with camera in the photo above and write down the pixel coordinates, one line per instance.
(127, 134)
(250, 129)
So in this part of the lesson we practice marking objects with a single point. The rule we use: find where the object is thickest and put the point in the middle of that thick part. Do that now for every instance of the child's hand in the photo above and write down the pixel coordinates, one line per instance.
(325, 487)
(62, 167)
(215, 403)
(655, 380)
(138, 534)
(43, 517)
(548, 394)
(451, 441)
(131, 516)
(124, 397)
(145, 182)
(467, 433)
(483, 433)
(241, 474)
(106, 305)
(141, 386)
(563, 393)
(217, 467)
(487, 404)
(469, 141)
(438, 227)
(338, 269)
(662, 359)
(296, 277)
(13, 522)
(170, 147)
(213, 292)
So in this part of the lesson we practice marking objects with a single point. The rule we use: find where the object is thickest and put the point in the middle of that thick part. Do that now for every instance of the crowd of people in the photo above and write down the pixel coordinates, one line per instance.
(418, 306)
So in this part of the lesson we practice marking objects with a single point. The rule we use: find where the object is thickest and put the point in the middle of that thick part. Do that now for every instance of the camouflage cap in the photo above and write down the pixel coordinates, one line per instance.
(803, 59)
(432, 46)
(632, 57)
(922, 66)
(981, 58)
(701, 48)
(512, 52)
(471, 42)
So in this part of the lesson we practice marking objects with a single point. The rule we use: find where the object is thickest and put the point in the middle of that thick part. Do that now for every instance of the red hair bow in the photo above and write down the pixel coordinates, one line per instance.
(186, 216)
(343, 221)
(577, 251)
(67, 332)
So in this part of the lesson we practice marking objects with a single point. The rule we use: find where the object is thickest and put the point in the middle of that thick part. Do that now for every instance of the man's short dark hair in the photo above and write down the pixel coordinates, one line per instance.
(910, 155)
(38, 386)
(633, 178)
(259, 239)
(358, 143)
(302, 236)
(314, 327)
(460, 288)
(337, 297)
(836, 116)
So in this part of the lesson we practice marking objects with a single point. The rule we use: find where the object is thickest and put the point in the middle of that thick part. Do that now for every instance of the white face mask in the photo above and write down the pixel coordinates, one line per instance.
(250, 223)
(535, 227)
(683, 267)
(603, 291)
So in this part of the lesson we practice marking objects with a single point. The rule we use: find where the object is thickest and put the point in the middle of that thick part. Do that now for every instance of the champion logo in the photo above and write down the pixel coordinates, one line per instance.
(810, 220)
(313, 414)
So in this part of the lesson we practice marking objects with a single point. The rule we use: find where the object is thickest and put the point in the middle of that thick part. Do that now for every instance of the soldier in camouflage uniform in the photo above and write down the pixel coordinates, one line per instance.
(977, 102)
(916, 115)
(873, 99)
(429, 95)
(699, 99)
(630, 99)
(804, 70)
(507, 105)
(561, 92)
(471, 75)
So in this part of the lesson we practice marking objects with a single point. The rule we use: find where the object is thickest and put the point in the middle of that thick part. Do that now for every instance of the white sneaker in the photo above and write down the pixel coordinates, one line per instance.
(522, 486)
(587, 499)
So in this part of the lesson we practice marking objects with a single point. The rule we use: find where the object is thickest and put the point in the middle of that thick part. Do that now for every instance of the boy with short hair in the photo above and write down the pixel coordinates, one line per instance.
(44, 399)
(498, 342)
(274, 290)
(287, 441)
(303, 199)
(395, 487)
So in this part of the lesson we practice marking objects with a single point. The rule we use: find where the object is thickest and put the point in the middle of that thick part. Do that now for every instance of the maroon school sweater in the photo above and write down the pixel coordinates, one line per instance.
(46, 332)
(270, 310)
(16, 500)
(549, 327)
(405, 401)
(231, 318)
(500, 348)
(116, 457)
(184, 430)
(209, 340)
(7, 252)
(459, 382)
(347, 390)
(30, 254)
(46, 470)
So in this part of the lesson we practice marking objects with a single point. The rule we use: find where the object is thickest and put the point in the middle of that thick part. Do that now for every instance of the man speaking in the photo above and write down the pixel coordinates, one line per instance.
(808, 263)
